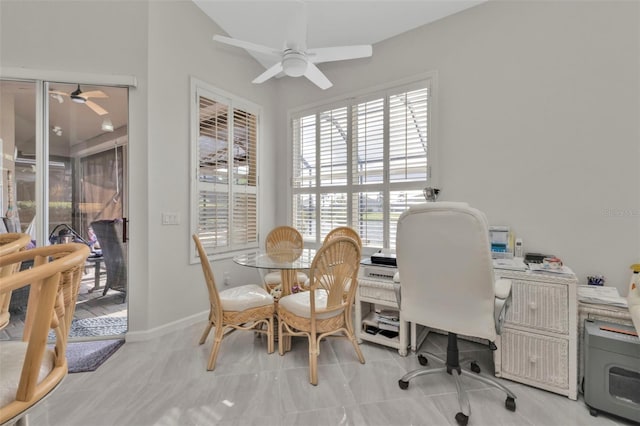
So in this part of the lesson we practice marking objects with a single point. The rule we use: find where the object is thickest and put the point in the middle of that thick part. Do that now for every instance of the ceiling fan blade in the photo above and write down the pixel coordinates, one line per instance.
(271, 72)
(339, 53)
(247, 45)
(96, 108)
(314, 74)
(94, 94)
(57, 92)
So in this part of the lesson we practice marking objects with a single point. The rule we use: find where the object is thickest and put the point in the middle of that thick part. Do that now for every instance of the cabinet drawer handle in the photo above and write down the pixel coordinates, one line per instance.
(533, 306)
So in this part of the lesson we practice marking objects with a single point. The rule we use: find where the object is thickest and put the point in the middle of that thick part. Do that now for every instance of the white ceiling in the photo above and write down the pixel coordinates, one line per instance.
(329, 22)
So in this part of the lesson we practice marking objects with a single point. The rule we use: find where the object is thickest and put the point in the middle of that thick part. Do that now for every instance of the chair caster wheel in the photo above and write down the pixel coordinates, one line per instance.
(403, 385)
(593, 412)
(475, 367)
(510, 404)
(462, 419)
(423, 360)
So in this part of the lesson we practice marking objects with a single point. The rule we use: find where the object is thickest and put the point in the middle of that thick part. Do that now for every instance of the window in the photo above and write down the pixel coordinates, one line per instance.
(225, 185)
(361, 163)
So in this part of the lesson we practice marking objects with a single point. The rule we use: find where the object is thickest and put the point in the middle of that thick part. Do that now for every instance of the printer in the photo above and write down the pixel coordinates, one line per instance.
(384, 257)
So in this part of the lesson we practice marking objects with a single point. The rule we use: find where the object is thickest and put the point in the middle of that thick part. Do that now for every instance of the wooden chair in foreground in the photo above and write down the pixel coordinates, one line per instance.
(30, 370)
(283, 238)
(248, 307)
(323, 311)
(10, 243)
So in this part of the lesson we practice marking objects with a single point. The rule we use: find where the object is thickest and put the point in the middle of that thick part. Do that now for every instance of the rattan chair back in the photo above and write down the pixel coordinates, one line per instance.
(10, 243)
(343, 231)
(215, 312)
(284, 241)
(55, 281)
(334, 267)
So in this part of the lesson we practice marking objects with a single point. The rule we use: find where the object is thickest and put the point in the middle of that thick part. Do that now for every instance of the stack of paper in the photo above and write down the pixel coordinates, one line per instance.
(539, 267)
(601, 295)
(513, 264)
(388, 320)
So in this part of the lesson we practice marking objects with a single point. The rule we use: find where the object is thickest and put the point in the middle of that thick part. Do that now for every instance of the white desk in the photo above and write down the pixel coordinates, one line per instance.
(538, 345)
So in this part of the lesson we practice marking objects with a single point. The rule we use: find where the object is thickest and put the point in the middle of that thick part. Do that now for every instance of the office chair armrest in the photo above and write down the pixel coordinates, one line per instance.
(502, 290)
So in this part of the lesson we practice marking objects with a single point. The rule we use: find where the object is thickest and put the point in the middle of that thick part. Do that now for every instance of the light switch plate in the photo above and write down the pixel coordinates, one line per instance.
(170, 218)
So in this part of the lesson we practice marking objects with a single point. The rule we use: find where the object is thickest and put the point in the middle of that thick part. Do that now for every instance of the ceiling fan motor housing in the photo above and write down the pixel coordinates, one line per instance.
(294, 64)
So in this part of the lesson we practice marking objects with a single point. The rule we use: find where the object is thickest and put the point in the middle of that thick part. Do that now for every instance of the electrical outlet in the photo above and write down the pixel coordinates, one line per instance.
(226, 279)
(170, 218)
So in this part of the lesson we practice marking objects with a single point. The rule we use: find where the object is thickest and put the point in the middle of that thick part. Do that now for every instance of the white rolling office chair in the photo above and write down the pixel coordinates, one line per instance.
(444, 260)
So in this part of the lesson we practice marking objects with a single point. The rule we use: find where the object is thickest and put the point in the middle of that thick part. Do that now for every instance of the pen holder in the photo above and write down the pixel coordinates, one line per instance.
(595, 280)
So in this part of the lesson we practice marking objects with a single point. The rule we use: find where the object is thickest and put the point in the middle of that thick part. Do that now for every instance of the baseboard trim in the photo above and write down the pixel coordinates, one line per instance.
(144, 335)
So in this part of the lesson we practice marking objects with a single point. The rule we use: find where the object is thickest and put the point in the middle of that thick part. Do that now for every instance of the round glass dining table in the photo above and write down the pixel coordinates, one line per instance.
(287, 261)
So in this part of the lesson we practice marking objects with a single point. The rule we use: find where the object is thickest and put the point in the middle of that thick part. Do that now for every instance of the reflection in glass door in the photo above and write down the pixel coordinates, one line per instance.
(85, 139)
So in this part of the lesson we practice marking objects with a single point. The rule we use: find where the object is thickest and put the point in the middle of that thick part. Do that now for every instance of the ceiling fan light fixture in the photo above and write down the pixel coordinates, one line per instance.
(294, 64)
(107, 125)
(75, 96)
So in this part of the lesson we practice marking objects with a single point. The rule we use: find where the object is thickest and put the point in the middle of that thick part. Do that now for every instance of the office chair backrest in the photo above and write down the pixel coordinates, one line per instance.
(446, 272)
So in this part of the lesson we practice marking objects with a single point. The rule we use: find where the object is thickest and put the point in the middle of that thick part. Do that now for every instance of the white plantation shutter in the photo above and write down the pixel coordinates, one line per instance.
(399, 202)
(304, 154)
(333, 147)
(368, 213)
(304, 215)
(368, 138)
(372, 156)
(408, 136)
(333, 212)
(225, 159)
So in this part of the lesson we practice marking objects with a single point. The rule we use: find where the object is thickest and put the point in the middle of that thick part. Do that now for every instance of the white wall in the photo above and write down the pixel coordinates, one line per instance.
(180, 46)
(537, 122)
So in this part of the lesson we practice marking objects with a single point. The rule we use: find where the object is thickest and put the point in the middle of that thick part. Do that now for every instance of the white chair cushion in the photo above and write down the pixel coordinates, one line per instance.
(11, 360)
(244, 297)
(273, 278)
(299, 304)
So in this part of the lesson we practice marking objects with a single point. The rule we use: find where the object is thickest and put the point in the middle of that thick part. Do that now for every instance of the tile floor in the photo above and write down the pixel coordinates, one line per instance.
(163, 381)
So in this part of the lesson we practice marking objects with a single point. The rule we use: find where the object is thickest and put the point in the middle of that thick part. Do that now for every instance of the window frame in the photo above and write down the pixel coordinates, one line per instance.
(426, 80)
(233, 102)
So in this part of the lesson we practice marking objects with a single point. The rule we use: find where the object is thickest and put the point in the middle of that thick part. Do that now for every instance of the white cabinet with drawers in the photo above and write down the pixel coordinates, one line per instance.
(538, 344)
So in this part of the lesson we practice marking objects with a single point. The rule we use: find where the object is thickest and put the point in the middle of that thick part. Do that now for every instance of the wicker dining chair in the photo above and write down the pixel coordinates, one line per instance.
(30, 370)
(278, 239)
(247, 307)
(322, 311)
(10, 243)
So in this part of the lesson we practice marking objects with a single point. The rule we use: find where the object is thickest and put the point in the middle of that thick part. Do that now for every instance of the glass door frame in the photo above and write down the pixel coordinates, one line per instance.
(41, 79)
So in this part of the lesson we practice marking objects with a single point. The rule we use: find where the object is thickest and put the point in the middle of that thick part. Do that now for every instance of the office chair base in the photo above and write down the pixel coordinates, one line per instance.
(452, 366)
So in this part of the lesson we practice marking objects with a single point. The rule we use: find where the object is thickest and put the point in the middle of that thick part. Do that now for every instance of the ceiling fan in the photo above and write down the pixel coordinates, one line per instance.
(80, 97)
(295, 59)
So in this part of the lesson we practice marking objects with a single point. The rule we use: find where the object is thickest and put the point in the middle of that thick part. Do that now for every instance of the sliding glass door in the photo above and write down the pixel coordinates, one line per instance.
(78, 194)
